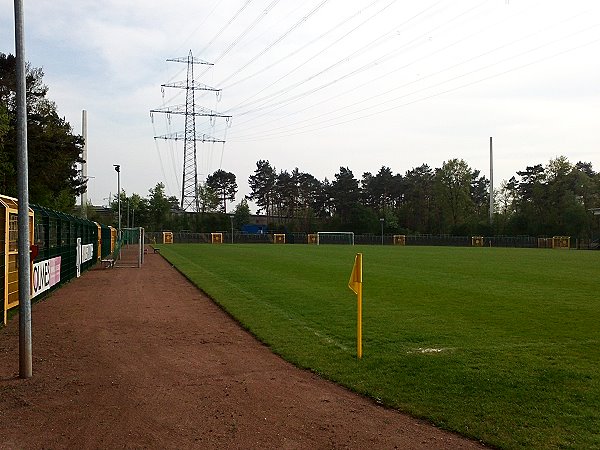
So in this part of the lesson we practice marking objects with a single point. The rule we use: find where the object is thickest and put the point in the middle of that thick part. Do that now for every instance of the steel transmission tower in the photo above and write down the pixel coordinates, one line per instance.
(189, 185)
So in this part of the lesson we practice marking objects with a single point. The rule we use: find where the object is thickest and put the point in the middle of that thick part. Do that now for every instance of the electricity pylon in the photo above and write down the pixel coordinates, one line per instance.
(189, 185)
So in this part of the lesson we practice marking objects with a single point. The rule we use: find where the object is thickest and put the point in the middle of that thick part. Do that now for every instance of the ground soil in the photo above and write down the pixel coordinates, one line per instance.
(140, 358)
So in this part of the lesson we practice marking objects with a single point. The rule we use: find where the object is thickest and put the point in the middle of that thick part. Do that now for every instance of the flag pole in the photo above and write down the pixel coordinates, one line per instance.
(359, 320)
(355, 284)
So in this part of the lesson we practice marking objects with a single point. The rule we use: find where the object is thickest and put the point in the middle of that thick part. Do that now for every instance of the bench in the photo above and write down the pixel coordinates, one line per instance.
(107, 263)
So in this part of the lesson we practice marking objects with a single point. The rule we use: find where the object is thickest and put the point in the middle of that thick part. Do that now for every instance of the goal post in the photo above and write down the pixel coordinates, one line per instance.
(216, 238)
(562, 242)
(399, 239)
(278, 238)
(477, 241)
(167, 237)
(335, 237)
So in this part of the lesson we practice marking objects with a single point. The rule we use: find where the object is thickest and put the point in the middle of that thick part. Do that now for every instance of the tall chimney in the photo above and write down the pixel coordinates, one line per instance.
(84, 164)
(491, 183)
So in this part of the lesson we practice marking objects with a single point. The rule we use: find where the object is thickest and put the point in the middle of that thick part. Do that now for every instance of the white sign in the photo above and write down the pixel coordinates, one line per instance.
(45, 275)
(87, 252)
(84, 254)
(78, 257)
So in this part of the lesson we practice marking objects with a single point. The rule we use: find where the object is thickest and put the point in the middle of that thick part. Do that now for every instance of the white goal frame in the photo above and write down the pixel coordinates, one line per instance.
(349, 233)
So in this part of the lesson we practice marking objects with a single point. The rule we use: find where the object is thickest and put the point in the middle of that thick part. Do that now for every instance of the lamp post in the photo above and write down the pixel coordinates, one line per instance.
(381, 221)
(118, 169)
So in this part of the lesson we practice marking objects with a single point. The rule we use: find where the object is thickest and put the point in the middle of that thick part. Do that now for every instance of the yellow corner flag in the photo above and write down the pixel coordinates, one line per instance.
(355, 284)
(356, 275)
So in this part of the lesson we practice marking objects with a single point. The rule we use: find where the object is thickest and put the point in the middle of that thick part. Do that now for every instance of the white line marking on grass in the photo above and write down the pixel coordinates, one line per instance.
(328, 339)
(429, 350)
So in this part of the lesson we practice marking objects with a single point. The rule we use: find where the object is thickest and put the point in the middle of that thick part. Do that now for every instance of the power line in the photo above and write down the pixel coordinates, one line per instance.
(437, 94)
(429, 75)
(308, 44)
(206, 17)
(375, 42)
(250, 27)
(370, 64)
(277, 41)
(229, 22)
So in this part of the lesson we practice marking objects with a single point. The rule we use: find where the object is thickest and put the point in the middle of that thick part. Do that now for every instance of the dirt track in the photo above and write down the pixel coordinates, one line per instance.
(130, 358)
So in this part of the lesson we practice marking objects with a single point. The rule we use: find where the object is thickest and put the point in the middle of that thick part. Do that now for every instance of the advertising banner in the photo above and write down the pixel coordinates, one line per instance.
(45, 274)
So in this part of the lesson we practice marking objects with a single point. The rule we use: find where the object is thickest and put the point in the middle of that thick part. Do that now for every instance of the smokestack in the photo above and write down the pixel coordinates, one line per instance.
(491, 183)
(84, 164)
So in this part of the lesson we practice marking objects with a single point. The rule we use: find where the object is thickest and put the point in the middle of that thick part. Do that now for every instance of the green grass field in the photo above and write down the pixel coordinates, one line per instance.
(501, 345)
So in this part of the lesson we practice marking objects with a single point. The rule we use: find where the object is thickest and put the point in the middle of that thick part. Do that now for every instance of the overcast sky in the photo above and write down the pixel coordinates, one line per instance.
(320, 84)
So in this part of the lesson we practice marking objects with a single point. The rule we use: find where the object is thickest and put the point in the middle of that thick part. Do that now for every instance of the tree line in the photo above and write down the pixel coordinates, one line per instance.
(541, 200)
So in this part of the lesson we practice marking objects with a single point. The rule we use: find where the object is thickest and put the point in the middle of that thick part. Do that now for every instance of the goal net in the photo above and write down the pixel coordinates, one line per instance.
(399, 239)
(563, 242)
(335, 237)
(131, 251)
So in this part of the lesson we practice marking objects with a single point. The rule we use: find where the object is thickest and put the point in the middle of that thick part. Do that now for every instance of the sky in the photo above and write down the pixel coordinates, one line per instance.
(319, 84)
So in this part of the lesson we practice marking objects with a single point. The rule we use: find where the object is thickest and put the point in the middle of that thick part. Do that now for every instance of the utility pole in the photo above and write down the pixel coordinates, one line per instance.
(189, 185)
(24, 273)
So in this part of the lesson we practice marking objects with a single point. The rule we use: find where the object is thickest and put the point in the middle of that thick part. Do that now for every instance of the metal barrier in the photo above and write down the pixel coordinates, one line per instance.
(359, 239)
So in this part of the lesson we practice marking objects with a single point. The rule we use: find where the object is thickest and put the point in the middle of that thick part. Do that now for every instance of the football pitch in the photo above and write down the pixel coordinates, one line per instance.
(498, 344)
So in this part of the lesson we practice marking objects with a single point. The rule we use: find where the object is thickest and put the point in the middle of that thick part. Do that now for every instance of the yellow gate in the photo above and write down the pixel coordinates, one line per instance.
(9, 233)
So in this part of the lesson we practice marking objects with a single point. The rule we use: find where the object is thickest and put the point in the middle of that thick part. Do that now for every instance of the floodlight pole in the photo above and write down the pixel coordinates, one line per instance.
(118, 169)
(24, 276)
(382, 220)
(231, 217)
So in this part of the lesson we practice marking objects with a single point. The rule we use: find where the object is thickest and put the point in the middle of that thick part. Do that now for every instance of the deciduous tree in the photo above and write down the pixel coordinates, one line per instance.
(453, 193)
